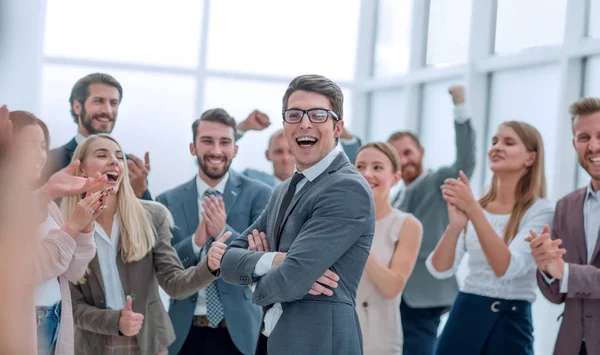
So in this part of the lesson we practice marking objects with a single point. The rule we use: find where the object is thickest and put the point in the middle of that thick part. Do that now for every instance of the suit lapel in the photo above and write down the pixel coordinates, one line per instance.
(337, 163)
(232, 191)
(579, 227)
(95, 267)
(189, 205)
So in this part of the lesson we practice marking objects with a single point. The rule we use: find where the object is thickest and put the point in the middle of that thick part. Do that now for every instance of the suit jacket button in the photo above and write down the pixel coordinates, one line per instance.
(194, 299)
(365, 304)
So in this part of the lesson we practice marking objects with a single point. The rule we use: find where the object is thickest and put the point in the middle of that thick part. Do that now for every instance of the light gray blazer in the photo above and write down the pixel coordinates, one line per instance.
(328, 225)
(424, 200)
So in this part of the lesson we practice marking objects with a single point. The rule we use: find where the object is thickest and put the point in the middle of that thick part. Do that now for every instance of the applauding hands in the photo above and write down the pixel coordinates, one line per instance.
(546, 252)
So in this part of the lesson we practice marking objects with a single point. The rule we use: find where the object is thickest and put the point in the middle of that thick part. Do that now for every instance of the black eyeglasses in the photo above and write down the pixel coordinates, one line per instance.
(315, 115)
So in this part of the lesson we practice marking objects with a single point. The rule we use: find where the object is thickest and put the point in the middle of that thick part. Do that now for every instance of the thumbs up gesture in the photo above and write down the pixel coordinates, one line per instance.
(130, 322)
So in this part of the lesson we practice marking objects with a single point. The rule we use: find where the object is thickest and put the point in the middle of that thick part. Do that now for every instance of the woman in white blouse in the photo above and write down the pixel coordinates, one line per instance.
(492, 313)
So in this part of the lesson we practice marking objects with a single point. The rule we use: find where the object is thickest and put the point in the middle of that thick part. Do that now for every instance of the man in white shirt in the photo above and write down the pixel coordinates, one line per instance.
(573, 278)
(221, 318)
(318, 227)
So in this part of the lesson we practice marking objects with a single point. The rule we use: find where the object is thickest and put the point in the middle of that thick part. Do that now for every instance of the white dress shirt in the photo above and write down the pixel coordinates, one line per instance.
(107, 257)
(518, 282)
(591, 224)
(79, 138)
(265, 262)
(48, 293)
(461, 115)
(202, 186)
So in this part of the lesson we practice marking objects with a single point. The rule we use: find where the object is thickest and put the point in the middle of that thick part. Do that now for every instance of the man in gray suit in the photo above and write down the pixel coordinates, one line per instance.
(425, 299)
(572, 278)
(318, 226)
(221, 318)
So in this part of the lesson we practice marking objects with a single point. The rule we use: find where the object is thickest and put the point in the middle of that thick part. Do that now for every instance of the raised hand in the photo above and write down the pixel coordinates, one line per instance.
(258, 241)
(130, 322)
(138, 173)
(85, 213)
(216, 251)
(256, 121)
(458, 94)
(214, 214)
(325, 284)
(64, 183)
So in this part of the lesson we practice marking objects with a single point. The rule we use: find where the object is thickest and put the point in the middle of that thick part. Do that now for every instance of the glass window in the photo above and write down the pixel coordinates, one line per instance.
(437, 125)
(388, 114)
(448, 34)
(286, 38)
(529, 23)
(136, 31)
(523, 95)
(393, 37)
(239, 98)
(155, 108)
(593, 23)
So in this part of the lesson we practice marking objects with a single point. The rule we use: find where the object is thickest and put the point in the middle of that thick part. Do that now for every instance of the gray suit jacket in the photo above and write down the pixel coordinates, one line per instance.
(581, 317)
(260, 176)
(328, 225)
(424, 200)
(95, 323)
(244, 200)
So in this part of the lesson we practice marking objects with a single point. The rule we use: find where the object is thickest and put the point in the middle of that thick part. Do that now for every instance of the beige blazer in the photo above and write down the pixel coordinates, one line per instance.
(95, 324)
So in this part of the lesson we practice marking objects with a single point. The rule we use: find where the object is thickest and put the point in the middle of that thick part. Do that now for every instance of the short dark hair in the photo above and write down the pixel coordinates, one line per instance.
(22, 119)
(81, 89)
(320, 85)
(401, 134)
(218, 115)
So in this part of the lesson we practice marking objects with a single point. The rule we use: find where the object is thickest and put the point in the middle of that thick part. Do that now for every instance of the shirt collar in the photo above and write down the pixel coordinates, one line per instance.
(202, 186)
(114, 234)
(314, 171)
(421, 177)
(590, 192)
(79, 138)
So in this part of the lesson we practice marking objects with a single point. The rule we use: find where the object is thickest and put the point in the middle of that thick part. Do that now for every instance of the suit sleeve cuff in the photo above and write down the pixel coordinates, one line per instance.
(264, 264)
(460, 113)
(564, 283)
(549, 280)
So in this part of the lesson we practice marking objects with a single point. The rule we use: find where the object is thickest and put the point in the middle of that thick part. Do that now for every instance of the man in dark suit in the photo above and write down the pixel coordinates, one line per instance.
(573, 278)
(318, 228)
(95, 101)
(221, 318)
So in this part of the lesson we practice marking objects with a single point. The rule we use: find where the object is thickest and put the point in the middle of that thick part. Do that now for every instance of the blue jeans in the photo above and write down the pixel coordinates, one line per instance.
(48, 324)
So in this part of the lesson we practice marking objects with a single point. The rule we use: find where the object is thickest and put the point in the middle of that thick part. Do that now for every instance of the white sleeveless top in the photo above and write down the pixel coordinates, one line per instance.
(380, 317)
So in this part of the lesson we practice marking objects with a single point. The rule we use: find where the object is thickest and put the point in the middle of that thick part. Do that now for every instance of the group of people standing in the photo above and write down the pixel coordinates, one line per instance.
(318, 258)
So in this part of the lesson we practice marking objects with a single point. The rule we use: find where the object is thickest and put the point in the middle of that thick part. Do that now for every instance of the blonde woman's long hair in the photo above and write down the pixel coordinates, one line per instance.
(531, 186)
(137, 232)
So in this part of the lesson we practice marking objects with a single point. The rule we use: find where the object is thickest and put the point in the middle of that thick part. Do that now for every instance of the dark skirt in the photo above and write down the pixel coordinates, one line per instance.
(489, 326)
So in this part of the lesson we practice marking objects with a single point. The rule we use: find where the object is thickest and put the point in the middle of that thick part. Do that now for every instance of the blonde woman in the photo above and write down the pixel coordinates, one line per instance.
(492, 313)
(116, 306)
(393, 255)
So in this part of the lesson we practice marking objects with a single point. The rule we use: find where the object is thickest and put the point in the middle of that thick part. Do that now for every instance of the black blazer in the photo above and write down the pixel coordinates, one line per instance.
(59, 158)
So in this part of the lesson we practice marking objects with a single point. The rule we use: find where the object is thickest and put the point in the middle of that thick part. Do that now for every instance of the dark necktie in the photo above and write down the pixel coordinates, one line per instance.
(287, 199)
(214, 308)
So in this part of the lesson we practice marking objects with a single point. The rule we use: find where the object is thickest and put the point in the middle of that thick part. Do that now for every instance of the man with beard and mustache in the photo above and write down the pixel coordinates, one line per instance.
(95, 101)
(570, 275)
(425, 299)
(221, 318)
